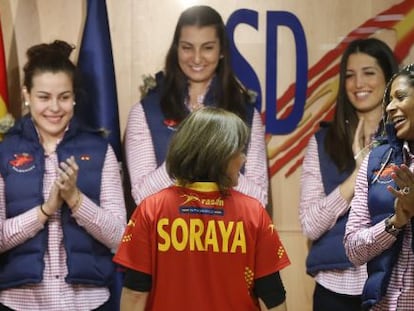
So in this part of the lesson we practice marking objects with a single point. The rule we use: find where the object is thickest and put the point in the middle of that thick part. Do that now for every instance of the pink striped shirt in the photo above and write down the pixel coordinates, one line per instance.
(318, 213)
(105, 223)
(147, 178)
(364, 241)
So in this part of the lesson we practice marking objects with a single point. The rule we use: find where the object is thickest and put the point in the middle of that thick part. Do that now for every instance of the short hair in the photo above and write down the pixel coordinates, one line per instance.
(203, 145)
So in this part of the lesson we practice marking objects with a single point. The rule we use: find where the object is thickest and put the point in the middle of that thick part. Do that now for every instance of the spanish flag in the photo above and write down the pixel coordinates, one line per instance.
(6, 121)
(3, 79)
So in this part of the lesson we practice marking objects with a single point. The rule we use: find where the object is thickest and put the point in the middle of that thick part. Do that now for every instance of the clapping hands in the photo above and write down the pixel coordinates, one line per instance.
(361, 144)
(64, 188)
(404, 194)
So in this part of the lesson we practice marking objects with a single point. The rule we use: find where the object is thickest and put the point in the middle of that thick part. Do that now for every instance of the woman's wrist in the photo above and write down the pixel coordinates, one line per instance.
(346, 189)
(391, 227)
(44, 210)
(400, 218)
(75, 201)
(397, 222)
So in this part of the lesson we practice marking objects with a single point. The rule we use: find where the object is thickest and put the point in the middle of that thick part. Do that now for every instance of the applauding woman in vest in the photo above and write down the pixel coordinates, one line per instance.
(197, 73)
(380, 228)
(61, 203)
(330, 167)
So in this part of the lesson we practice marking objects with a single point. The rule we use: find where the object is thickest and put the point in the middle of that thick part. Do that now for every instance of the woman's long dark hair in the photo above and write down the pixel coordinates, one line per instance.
(340, 135)
(229, 93)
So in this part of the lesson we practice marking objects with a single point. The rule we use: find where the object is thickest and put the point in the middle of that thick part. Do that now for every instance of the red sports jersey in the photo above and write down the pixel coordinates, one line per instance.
(203, 251)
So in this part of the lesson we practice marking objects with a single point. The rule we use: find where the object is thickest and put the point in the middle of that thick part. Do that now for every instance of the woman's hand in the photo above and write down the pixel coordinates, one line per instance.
(347, 187)
(404, 202)
(361, 144)
(53, 203)
(66, 182)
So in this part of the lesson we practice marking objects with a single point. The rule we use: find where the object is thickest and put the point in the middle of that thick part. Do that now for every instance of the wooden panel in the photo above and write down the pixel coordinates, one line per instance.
(299, 286)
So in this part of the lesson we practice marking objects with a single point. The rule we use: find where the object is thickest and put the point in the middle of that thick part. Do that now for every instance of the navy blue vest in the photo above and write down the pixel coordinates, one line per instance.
(328, 252)
(160, 132)
(381, 205)
(22, 169)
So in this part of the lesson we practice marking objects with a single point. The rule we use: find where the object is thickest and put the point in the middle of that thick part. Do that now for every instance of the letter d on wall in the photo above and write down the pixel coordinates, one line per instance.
(288, 124)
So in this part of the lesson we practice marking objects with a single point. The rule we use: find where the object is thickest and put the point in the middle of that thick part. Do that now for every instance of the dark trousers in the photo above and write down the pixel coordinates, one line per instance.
(105, 307)
(326, 300)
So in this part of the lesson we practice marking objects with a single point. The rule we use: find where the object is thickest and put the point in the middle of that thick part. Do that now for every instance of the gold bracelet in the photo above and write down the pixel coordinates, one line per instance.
(43, 211)
(77, 200)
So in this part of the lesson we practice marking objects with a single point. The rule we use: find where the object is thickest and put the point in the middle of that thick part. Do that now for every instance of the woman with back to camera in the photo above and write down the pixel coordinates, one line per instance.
(62, 207)
(379, 231)
(331, 163)
(200, 244)
(197, 73)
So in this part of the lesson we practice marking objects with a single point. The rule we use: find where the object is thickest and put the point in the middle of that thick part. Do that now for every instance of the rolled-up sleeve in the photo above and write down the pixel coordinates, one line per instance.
(363, 241)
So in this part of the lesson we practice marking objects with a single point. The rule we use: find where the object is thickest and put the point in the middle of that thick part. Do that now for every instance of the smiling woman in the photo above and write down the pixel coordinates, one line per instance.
(330, 167)
(197, 73)
(379, 229)
(365, 83)
(59, 223)
(51, 101)
(400, 108)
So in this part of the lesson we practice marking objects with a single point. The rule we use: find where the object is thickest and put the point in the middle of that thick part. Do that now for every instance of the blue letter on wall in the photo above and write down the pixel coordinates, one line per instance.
(241, 67)
(247, 74)
(287, 125)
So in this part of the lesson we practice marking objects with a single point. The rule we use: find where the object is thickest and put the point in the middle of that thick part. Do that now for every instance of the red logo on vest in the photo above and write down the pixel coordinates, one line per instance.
(21, 160)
